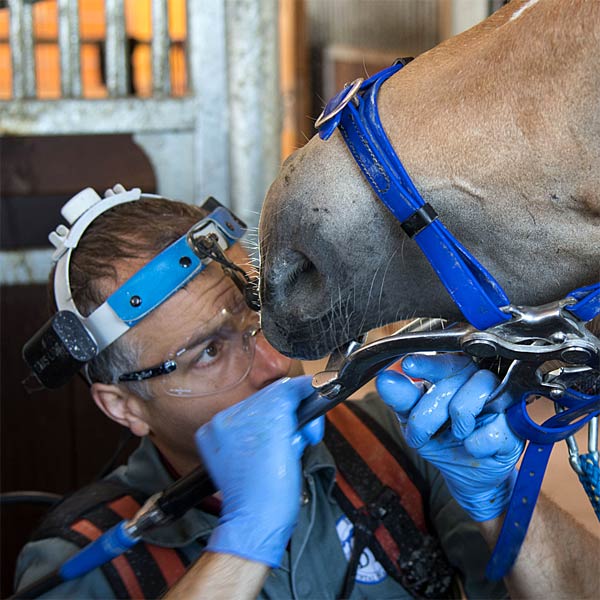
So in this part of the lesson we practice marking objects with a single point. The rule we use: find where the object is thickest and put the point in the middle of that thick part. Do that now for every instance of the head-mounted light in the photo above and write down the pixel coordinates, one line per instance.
(69, 340)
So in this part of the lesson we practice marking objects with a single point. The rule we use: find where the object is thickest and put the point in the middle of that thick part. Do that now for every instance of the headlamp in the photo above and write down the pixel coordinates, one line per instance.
(69, 340)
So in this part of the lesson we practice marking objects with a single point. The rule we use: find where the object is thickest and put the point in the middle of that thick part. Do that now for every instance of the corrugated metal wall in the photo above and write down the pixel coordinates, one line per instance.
(375, 24)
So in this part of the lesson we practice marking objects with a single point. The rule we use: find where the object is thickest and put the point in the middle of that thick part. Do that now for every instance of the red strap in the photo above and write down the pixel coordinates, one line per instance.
(383, 536)
(380, 461)
(125, 506)
(167, 559)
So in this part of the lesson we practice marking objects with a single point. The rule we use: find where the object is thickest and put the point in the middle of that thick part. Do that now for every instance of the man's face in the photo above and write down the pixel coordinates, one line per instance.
(199, 312)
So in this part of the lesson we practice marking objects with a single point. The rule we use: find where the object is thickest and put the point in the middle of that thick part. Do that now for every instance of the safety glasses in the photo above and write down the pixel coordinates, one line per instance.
(213, 358)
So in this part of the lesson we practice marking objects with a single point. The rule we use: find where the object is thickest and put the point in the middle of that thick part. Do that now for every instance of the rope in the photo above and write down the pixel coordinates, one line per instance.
(590, 479)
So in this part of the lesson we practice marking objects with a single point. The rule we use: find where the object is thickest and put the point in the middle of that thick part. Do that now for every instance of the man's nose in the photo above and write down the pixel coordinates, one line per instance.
(269, 364)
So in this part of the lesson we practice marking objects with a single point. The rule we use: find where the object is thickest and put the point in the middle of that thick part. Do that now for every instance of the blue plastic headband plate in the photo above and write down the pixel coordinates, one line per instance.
(170, 270)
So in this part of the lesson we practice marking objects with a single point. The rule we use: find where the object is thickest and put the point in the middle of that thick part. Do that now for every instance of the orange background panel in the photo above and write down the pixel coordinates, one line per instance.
(92, 27)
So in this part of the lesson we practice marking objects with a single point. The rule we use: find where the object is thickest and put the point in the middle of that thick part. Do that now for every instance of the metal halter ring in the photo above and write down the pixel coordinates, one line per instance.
(339, 102)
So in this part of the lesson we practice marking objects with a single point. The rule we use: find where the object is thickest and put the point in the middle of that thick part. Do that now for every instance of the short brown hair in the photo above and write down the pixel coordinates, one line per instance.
(134, 230)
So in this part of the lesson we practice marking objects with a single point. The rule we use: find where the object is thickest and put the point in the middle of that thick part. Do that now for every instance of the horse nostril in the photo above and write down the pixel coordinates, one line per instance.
(305, 267)
(285, 273)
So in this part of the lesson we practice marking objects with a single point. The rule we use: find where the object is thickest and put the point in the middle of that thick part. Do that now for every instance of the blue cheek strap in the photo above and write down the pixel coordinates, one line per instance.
(354, 112)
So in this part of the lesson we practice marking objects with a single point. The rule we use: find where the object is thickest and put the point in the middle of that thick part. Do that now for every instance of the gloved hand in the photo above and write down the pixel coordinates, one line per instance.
(478, 454)
(252, 451)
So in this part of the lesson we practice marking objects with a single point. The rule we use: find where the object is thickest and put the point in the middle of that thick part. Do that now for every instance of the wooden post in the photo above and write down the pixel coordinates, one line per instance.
(294, 76)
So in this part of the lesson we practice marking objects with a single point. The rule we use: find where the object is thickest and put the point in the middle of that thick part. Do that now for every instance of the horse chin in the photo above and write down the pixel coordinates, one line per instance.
(306, 340)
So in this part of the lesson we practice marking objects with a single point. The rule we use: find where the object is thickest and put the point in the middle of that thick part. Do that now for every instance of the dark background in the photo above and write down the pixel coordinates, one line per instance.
(52, 441)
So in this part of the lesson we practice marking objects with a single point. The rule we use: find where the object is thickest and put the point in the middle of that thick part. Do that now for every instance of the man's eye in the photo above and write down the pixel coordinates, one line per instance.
(211, 350)
(209, 354)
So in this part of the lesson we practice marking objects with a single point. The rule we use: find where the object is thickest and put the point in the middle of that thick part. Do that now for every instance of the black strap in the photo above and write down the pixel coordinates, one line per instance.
(73, 506)
(421, 566)
(92, 504)
(393, 447)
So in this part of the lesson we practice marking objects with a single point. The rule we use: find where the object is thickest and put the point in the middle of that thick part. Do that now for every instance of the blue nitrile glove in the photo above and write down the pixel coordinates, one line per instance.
(252, 451)
(478, 454)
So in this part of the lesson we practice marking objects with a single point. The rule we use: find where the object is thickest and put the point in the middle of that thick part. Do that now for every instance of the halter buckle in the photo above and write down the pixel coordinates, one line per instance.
(335, 106)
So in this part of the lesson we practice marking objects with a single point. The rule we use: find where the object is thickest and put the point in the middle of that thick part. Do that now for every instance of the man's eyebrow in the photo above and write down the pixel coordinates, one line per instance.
(203, 333)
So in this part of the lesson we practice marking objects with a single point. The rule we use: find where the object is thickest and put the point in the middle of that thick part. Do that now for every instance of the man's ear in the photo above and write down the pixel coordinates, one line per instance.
(121, 406)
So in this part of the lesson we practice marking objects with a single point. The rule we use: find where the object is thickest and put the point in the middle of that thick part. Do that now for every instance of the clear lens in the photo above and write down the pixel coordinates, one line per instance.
(217, 356)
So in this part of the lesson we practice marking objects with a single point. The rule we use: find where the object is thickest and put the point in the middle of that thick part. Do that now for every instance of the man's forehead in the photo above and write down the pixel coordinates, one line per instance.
(185, 316)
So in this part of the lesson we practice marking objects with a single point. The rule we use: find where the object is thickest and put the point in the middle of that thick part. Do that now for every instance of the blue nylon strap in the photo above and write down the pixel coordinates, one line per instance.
(332, 123)
(520, 510)
(581, 408)
(588, 302)
(167, 272)
(473, 289)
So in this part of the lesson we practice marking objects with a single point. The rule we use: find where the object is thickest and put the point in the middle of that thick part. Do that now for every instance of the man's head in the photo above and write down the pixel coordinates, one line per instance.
(205, 329)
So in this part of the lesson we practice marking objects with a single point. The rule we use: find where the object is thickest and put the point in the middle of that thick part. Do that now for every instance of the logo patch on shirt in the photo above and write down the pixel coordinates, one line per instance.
(369, 569)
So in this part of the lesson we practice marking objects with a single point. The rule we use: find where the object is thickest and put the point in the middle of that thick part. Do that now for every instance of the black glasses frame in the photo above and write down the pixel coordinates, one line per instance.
(163, 369)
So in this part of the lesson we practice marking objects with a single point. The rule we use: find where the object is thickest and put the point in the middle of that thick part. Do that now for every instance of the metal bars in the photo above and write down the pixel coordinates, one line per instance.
(161, 77)
(117, 59)
(68, 42)
(117, 70)
(21, 45)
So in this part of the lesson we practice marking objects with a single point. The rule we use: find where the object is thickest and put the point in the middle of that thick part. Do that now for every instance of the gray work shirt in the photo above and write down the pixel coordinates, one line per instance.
(314, 564)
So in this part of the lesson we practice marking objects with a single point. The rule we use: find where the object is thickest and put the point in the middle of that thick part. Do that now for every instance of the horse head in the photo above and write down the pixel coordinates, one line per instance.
(499, 129)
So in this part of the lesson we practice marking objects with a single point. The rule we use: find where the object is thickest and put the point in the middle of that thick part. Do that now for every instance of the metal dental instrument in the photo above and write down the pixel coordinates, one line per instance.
(533, 339)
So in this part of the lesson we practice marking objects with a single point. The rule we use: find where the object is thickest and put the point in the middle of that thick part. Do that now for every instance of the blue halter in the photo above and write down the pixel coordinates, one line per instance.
(477, 294)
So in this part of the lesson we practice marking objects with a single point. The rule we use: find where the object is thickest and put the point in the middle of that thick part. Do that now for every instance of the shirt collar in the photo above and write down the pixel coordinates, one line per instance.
(318, 460)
